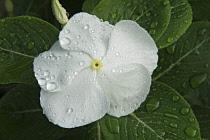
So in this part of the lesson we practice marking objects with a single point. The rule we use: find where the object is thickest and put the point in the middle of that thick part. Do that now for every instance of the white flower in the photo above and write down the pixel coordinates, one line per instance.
(94, 69)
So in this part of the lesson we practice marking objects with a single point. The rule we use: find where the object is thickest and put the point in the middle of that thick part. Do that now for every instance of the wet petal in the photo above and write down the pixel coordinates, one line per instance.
(126, 86)
(129, 43)
(85, 32)
(79, 104)
(55, 69)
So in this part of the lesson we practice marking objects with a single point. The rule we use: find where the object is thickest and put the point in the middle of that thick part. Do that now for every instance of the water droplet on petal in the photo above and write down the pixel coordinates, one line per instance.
(81, 63)
(46, 73)
(65, 41)
(67, 31)
(78, 37)
(86, 27)
(70, 110)
(41, 81)
(75, 73)
(51, 86)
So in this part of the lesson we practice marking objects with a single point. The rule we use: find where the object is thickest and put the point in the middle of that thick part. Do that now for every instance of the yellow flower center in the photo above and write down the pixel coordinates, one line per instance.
(96, 64)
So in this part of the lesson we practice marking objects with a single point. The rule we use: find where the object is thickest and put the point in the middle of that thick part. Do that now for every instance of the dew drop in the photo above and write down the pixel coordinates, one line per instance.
(78, 37)
(170, 39)
(67, 31)
(171, 49)
(112, 125)
(154, 24)
(201, 32)
(166, 2)
(179, 16)
(40, 30)
(81, 63)
(113, 70)
(152, 105)
(197, 79)
(171, 115)
(196, 52)
(183, 3)
(191, 131)
(70, 110)
(152, 32)
(175, 98)
(160, 132)
(12, 34)
(129, 4)
(134, 16)
(51, 86)
(65, 41)
(86, 27)
(173, 125)
(114, 15)
(75, 73)
(143, 131)
(46, 47)
(148, 14)
(42, 81)
(183, 85)
(46, 73)
(185, 110)
(30, 45)
(191, 119)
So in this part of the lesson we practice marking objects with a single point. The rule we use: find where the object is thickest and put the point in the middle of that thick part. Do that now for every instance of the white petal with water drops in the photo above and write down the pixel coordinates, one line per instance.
(130, 43)
(127, 87)
(79, 104)
(56, 65)
(86, 31)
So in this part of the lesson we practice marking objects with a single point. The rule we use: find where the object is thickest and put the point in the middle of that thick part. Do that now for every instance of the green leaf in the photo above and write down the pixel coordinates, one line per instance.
(181, 18)
(185, 64)
(200, 96)
(21, 117)
(22, 39)
(89, 5)
(201, 10)
(164, 115)
(203, 116)
(153, 15)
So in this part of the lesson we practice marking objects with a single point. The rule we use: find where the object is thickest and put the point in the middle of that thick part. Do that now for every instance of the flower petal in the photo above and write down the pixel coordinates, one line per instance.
(129, 43)
(55, 69)
(126, 86)
(79, 104)
(85, 32)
